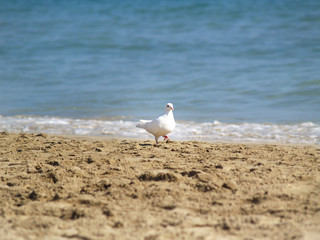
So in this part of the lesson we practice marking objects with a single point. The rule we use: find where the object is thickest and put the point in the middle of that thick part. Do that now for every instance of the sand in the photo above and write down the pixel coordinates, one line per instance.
(68, 187)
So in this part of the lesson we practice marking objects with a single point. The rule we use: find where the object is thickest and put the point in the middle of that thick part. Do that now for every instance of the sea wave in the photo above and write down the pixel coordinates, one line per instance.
(302, 133)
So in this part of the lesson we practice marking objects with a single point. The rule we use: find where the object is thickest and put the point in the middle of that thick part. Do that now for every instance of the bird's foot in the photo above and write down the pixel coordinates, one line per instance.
(166, 138)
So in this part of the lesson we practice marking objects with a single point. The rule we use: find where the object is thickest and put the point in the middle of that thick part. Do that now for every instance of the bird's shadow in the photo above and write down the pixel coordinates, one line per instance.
(145, 144)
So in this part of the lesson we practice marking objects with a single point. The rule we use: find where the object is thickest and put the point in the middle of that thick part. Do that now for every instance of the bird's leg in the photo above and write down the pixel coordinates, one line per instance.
(166, 138)
(156, 140)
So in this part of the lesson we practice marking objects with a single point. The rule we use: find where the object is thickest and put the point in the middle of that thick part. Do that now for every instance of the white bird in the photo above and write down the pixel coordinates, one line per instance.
(160, 126)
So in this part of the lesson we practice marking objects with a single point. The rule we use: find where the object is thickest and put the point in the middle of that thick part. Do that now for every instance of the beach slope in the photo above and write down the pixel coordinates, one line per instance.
(70, 187)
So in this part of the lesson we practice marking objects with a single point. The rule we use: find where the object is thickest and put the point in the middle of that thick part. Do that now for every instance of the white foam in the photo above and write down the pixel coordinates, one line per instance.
(303, 133)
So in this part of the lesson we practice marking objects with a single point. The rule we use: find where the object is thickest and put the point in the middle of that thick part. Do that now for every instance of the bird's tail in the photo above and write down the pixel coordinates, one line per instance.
(141, 123)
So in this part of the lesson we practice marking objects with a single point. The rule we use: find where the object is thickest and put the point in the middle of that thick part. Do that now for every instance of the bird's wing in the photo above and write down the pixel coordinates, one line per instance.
(153, 126)
(159, 126)
(142, 123)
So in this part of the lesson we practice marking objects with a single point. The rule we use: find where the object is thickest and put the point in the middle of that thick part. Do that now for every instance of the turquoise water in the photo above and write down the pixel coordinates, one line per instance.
(233, 62)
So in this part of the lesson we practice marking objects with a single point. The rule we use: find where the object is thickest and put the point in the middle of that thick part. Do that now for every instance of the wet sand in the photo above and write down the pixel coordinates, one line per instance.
(70, 187)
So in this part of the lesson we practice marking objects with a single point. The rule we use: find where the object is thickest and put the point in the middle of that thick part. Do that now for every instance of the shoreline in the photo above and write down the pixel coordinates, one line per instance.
(243, 132)
(151, 139)
(97, 187)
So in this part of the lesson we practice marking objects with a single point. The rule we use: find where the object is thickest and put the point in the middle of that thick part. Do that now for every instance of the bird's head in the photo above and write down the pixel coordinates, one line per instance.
(169, 106)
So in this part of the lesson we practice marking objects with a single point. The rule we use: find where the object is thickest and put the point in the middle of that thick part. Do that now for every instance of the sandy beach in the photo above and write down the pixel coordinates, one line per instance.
(71, 187)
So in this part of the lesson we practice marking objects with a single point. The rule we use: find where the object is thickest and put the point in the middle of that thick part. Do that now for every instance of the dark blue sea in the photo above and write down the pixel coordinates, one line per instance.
(245, 71)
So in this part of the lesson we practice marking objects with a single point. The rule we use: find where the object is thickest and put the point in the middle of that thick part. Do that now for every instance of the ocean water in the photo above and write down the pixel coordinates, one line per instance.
(234, 70)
